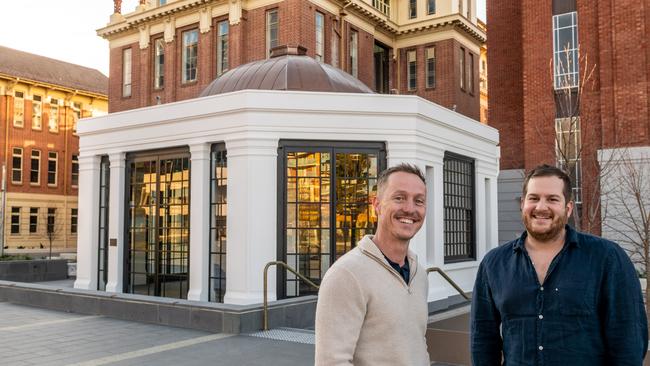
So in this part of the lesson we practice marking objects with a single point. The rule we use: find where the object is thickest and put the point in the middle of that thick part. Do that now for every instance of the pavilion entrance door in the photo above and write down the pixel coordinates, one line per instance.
(157, 224)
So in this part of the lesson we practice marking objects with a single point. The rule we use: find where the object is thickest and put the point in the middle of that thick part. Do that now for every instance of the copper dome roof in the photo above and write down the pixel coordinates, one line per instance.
(288, 68)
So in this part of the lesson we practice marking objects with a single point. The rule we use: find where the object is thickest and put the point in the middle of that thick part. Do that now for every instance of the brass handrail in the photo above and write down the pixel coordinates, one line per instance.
(266, 276)
(451, 282)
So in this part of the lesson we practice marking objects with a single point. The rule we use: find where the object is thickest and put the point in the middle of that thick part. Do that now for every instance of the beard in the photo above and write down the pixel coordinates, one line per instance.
(549, 233)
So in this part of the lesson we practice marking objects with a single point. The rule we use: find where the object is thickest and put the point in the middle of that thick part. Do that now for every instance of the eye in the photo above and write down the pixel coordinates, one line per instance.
(419, 202)
(398, 198)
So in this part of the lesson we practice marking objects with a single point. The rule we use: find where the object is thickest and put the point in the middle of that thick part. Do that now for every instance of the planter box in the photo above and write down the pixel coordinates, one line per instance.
(34, 270)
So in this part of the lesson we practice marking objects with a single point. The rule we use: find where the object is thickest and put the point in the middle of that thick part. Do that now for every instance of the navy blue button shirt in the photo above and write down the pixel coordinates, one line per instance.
(404, 271)
(588, 311)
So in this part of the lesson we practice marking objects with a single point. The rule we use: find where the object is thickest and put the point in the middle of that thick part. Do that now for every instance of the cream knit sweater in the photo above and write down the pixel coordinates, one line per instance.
(368, 315)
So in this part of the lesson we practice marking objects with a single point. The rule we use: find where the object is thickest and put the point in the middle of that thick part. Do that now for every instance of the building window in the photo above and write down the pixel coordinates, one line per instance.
(463, 71)
(413, 9)
(411, 70)
(37, 112)
(76, 116)
(33, 220)
(52, 167)
(53, 123)
(102, 248)
(565, 50)
(335, 40)
(568, 146)
(126, 72)
(190, 55)
(35, 168)
(354, 53)
(19, 109)
(470, 79)
(271, 30)
(383, 6)
(159, 64)
(431, 67)
(320, 37)
(326, 191)
(51, 221)
(74, 179)
(17, 165)
(458, 177)
(73, 220)
(431, 7)
(15, 220)
(218, 219)
(222, 47)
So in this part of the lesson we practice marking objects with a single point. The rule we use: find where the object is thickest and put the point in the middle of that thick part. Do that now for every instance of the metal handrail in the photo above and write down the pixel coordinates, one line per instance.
(451, 282)
(266, 275)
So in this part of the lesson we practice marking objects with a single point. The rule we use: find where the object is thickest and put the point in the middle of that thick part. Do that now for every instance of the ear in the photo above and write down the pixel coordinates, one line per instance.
(521, 203)
(376, 204)
(569, 209)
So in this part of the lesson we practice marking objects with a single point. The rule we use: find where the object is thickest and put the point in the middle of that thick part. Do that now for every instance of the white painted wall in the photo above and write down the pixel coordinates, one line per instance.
(251, 123)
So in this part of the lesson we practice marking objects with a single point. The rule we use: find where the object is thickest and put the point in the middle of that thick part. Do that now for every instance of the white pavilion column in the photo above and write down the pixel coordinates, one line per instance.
(199, 221)
(252, 218)
(88, 234)
(116, 239)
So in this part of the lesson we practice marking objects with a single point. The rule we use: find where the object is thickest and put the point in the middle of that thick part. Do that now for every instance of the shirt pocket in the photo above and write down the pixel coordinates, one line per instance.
(575, 298)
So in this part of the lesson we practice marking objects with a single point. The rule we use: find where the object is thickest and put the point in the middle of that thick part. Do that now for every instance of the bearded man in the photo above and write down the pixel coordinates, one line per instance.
(556, 296)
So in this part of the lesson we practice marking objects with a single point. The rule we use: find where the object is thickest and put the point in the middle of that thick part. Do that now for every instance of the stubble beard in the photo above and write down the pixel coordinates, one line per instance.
(549, 234)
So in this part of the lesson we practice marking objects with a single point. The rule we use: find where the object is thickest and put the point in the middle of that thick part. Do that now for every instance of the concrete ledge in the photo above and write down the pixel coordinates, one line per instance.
(211, 317)
(37, 270)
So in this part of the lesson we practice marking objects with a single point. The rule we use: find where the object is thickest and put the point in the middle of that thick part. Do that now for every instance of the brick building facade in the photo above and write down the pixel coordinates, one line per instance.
(41, 100)
(542, 52)
(428, 48)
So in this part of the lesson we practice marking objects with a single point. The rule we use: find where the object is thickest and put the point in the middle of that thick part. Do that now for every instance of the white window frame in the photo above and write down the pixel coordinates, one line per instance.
(566, 76)
(126, 72)
(463, 67)
(430, 54)
(223, 31)
(33, 214)
(470, 74)
(53, 156)
(354, 53)
(11, 221)
(319, 50)
(74, 220)
(19, 109)
(413, 9)
(568, 138)
(37, 112)
(17, 153)
(53, 121)
(190, 57)
(159, 64)
(35, 155)
(74, 171)
(431, 7)
(411, 70)
(272, 30)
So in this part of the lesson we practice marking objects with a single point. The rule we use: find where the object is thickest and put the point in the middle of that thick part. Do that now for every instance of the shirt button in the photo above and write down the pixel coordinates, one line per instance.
(541, 288)
(540, 348)
(541, 316)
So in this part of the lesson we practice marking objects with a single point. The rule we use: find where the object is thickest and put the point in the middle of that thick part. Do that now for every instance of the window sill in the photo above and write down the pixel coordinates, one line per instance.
(51, 185)
(189, 83)
(35, 184)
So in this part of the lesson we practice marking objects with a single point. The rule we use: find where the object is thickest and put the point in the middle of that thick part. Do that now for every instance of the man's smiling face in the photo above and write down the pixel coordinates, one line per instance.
(400, 207)
(544, 208)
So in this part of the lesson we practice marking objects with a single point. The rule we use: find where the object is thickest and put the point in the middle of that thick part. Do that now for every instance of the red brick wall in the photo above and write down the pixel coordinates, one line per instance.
(63, 142)
(247, 43)
(505, 79)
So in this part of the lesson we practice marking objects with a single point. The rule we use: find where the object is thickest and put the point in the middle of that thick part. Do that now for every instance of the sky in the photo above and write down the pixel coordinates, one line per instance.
(66, 29)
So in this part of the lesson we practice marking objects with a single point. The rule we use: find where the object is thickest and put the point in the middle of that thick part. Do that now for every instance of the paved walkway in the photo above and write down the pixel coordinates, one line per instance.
(33, 336)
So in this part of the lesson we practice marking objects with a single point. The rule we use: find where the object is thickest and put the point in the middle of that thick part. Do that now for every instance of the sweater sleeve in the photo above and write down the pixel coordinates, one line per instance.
(340, 313)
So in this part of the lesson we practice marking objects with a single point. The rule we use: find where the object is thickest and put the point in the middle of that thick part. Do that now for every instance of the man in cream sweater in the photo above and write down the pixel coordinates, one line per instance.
(372, 303)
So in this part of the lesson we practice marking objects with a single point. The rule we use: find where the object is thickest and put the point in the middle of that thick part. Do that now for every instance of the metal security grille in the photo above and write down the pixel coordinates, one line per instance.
(102, 253)
(460, 243)
(218, 200)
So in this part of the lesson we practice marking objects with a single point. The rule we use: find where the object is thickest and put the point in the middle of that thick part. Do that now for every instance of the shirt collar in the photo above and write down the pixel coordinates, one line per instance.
(571, 238)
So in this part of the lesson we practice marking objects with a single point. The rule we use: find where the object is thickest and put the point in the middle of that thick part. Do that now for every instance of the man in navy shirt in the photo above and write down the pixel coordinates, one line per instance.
(556, 296)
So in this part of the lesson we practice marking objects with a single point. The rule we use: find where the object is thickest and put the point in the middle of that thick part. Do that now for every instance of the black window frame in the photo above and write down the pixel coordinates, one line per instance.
(218, 160)
(102, 248)
(453, 195)
(334, 147)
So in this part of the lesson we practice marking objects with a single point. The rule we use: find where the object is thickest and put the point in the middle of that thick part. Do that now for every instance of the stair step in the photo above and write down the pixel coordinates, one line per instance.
(304, 336)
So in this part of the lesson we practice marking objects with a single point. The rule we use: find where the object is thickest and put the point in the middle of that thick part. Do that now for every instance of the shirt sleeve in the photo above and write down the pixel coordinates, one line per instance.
(625, 321)
(486, 343)
(340, 313)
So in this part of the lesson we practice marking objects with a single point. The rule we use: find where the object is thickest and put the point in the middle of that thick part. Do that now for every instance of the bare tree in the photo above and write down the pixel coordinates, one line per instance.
(52, 228)
(626, 208)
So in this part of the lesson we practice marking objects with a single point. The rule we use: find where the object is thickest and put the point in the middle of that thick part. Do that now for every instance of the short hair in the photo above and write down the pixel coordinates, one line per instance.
(382, 180)
(546, 170)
